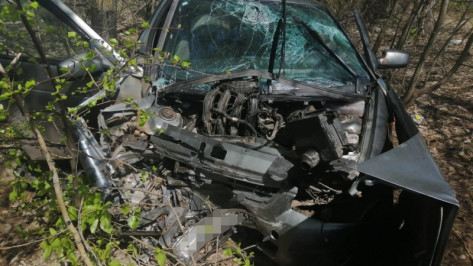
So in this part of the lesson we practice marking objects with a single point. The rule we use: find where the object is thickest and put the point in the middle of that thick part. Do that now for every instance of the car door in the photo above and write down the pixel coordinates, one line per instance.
(64, 40)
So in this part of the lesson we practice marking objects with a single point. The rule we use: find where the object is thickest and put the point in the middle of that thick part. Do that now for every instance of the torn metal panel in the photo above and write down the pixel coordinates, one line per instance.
(410, 166)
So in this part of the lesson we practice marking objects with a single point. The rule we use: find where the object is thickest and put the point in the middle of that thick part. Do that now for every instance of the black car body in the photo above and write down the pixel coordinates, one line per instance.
(278, 125)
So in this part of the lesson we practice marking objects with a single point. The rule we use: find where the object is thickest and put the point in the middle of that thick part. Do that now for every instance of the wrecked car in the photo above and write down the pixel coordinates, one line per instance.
(275, 128)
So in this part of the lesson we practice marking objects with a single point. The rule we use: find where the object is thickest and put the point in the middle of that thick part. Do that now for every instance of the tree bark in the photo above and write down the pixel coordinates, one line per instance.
(410, 21)
(461, 23)
(428, 47)
(461, 59)
(382, 33)
(103, 17)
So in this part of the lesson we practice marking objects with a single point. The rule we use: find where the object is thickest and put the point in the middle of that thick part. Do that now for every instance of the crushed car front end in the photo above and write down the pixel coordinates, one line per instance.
(261, 119)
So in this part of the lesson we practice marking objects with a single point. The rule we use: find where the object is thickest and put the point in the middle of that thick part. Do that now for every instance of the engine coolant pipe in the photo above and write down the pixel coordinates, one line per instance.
(92, 157)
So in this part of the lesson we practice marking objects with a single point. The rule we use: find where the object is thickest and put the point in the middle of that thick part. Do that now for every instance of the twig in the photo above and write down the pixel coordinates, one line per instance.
(175, 213)
(32, 242)
(87, 246)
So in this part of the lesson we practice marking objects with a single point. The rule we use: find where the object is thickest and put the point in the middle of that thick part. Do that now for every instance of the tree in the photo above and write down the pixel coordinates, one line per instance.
(424, 29)
(103, 15)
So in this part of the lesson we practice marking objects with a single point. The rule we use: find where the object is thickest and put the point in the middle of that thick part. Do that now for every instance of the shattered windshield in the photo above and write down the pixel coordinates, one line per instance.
(225, 36)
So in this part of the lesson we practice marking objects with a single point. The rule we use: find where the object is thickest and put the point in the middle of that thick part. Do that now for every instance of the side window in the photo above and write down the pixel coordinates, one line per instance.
(51, 32)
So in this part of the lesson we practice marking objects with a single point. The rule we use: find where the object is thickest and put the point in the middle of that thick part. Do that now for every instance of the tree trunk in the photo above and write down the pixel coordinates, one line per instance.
(410, 21)
(103, 17)
(461, 59)
(385, 25)
(461, 23)
(428, 47)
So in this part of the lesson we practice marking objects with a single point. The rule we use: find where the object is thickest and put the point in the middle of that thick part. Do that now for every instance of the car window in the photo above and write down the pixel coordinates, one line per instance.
(52, 33)
(219, 36)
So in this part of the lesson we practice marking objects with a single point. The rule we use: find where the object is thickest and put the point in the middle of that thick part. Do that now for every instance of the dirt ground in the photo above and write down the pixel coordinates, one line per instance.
(448, 131)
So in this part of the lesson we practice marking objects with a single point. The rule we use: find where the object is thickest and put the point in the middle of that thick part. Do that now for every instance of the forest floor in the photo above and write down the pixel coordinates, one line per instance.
(448, 132)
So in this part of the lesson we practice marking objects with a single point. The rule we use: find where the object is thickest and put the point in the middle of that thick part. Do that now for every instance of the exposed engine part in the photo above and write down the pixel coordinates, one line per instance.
(299, 114)
(353, 191)
(310, 159)
(250, 163)
(157, 117)
(142, 114)
(227, 106)
(351, 124)
(321, 132)
(321, 193)
(352, 139)
(237, 151)
(233, 109)
(269, 122)
(356, 109)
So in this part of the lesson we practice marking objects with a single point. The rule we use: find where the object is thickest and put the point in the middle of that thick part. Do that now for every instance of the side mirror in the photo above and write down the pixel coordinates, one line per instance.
(393, 59)
(75, 65)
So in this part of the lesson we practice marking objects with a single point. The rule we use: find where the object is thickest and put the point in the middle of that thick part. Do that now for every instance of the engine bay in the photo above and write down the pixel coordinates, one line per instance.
(227, 153)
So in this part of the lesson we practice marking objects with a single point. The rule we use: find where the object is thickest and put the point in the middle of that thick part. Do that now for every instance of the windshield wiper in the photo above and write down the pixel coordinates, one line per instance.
(283, 45)
(281, 28)
(299, 87)
(319, 39)
(274, 47)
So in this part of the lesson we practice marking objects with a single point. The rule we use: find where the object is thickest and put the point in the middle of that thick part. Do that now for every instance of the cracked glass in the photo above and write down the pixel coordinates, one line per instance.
(225, 36)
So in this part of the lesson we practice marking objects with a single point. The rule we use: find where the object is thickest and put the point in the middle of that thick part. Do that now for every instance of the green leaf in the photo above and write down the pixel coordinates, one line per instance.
(113, 42)
(185, 64)
(93, 225)
(72, 213)
(48, 250)
(72, 258)
(145, 25)
(175, 59)
(247, 262)
(228, 252)
(30, 84)
(5, 96)
(114, 263)
(56, 244)
(3, 85)
(34, 5)
(90, 208)
(67, 244)
(72, 34)
(13, 195)
(52, 231)
(105, 222)
(133, 221)
(125, 210)
(160, 257)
